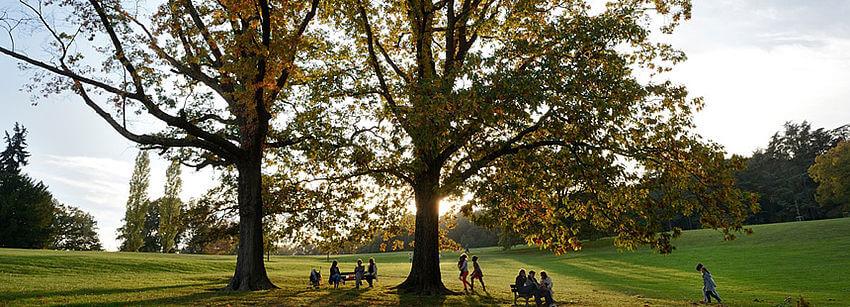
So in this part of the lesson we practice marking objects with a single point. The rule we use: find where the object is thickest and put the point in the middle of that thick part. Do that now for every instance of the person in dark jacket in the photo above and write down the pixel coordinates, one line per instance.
(315, 278)
(531, 284)
(371, 272)
(520, 278)
(335, 277)
(519, 282)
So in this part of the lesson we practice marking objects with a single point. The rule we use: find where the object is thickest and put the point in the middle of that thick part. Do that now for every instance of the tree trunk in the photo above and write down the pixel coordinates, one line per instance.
(424, 277)
(250, 269)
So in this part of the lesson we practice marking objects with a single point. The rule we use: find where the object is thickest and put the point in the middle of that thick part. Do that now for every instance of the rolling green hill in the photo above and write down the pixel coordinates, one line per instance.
(808, 259)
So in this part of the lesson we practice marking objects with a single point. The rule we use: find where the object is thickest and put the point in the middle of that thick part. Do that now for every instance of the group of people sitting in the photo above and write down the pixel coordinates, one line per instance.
(529, 286)
(361, 272)
(526, 285)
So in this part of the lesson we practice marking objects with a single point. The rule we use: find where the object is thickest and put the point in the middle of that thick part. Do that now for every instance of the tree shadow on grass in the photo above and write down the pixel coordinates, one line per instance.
(288, 295)
(204, 297)
(484, 300)
(94, 291)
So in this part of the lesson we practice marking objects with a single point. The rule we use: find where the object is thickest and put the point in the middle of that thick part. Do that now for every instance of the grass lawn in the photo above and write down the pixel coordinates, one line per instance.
(811, 259)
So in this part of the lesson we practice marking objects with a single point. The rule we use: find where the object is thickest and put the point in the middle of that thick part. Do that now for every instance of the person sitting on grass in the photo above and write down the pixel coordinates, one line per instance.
(359, 271)
(476, 273)
(336, 277)
(709, 287)
(545, 290)
(371, 272)
(463, 266)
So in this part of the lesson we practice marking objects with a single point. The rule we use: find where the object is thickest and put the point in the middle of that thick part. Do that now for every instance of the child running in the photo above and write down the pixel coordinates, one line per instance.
(476, 273)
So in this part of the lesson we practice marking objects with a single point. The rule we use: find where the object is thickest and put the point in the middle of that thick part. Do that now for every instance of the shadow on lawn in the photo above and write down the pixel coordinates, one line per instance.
(94, 291)
(208, 292)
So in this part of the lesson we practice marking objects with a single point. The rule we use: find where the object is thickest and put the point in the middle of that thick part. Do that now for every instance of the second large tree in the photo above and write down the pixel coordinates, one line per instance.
(556, 97)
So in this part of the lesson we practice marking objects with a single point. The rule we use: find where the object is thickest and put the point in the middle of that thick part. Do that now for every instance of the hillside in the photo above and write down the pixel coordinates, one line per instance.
(811, 259)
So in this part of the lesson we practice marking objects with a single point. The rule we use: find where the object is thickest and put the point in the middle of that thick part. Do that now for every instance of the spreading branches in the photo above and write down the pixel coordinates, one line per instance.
(373, 59)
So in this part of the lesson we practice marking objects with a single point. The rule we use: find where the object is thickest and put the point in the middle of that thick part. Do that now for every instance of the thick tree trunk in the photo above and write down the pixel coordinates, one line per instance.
(250, 269)
(424, 277)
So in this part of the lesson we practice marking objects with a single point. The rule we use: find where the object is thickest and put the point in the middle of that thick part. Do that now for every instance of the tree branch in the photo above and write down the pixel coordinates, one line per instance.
(224, 147)
(199, 23)
(373, 59)
(142, 139)
(69, 74)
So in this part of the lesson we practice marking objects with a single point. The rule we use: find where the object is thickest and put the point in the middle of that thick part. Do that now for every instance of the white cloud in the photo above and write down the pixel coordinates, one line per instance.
(751, 91)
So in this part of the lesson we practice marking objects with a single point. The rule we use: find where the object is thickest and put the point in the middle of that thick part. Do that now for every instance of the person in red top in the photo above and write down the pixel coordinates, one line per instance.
(477, 273)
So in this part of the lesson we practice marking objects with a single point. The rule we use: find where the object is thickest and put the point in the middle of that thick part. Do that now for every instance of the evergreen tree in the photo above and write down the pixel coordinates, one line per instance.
(137, 206)
(169, 207)
(15, 155)
(26, 208)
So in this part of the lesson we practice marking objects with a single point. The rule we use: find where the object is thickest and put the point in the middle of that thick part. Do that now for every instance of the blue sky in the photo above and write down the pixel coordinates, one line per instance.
(758, 64)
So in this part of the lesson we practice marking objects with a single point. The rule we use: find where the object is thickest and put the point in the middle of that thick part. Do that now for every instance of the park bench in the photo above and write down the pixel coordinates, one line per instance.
(518, 294)
(347, 276)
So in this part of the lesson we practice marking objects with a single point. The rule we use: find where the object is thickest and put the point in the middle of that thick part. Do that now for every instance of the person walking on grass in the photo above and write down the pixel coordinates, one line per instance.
(463, 266)
(476, 273)
(709, 287)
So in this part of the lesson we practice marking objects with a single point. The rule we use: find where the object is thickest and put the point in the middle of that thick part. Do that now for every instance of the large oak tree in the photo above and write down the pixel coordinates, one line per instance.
(215, 75)
(566, 106)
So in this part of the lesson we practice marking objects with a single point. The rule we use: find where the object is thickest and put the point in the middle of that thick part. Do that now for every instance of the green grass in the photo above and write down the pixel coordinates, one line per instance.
(809, 259)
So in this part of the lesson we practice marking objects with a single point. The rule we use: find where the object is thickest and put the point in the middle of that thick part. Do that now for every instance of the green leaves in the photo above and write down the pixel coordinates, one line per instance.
(559, 120)
(831, 171)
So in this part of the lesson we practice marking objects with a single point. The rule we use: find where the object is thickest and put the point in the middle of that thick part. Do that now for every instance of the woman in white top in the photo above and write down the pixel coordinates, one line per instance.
(463, 267)
(545, 289)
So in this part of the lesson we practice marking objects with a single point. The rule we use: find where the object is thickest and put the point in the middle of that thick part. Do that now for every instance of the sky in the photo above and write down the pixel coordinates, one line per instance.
(757, 63)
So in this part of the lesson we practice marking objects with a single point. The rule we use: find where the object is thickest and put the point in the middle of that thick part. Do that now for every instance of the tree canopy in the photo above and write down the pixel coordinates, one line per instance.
(549, 112)
(29, 215)
(831, 171)
(170, 208)
(26, 206)
(74, 229)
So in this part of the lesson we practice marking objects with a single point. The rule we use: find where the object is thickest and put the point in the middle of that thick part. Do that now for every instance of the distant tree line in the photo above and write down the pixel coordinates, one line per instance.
(780, 174)
(29, 215)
